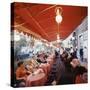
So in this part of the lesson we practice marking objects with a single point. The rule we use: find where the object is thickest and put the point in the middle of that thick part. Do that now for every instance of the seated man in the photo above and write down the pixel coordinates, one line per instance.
(81, 75)
(80, 72)
(21, 74)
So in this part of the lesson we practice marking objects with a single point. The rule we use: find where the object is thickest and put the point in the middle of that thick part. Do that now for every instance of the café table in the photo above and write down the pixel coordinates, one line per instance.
(36, 79)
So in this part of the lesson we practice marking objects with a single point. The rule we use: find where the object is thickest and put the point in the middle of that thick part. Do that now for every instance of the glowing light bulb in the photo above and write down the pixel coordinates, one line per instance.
(58, 18)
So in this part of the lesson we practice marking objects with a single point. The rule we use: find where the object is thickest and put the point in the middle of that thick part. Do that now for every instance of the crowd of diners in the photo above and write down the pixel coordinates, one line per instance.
(24, 68)
(74, 71)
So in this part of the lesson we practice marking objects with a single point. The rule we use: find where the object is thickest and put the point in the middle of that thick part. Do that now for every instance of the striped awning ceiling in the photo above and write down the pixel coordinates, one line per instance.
(40, 18)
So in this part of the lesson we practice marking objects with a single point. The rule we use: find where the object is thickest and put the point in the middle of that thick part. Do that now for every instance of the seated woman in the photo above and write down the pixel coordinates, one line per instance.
(21, 74)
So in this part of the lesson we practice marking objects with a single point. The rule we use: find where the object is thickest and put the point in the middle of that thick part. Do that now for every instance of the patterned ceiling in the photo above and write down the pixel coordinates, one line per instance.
(40, 18)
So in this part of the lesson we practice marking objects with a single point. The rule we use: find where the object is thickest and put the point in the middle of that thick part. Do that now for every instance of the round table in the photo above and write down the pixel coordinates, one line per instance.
(36, 80)
(46, 67)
